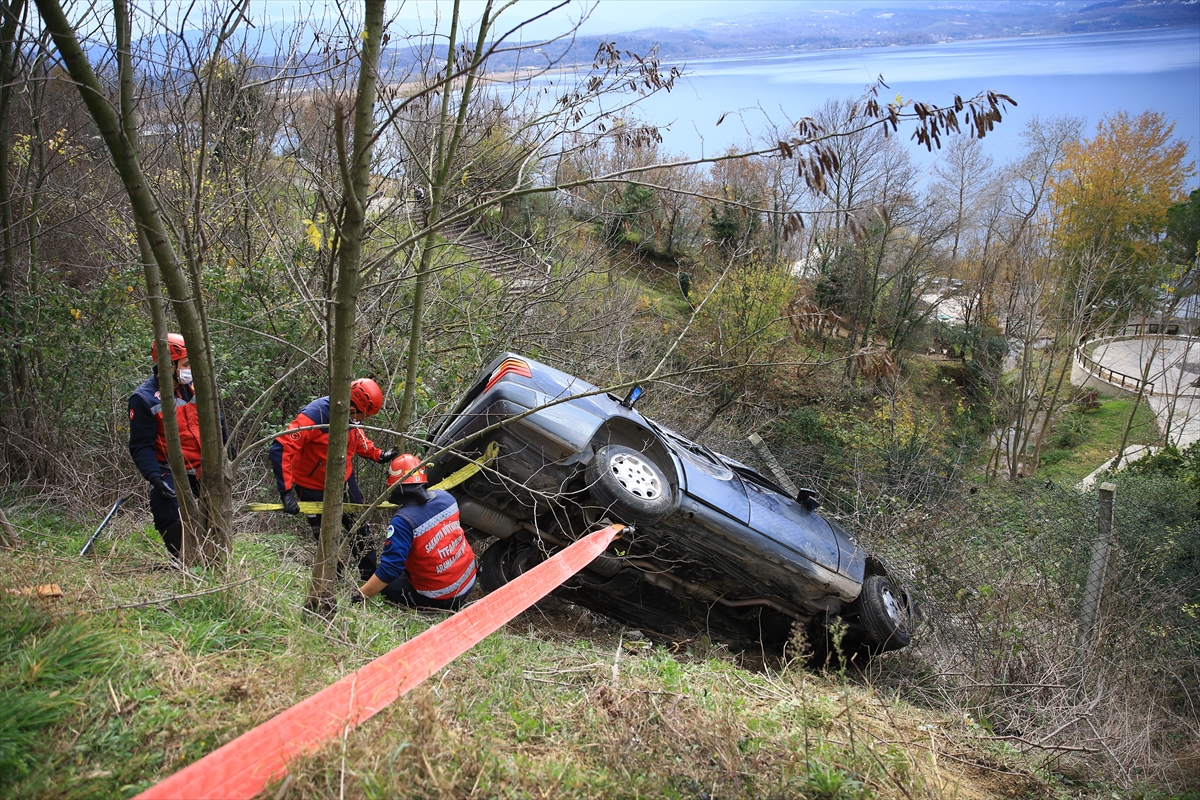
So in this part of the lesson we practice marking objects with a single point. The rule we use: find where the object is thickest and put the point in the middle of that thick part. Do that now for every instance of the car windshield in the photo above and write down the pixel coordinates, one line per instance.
(697, 453)
(757, 478)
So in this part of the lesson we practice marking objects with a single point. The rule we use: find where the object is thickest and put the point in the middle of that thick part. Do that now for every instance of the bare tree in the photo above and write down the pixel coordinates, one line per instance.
(214, 189)
(214, 529)
(15, 378)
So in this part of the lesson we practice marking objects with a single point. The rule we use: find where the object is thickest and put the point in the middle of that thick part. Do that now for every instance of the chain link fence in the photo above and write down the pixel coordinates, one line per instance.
(1056, 633)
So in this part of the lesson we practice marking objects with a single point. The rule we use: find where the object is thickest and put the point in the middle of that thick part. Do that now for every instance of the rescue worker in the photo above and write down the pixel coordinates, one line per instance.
(298, 460)
(427, 561)
(148, 442)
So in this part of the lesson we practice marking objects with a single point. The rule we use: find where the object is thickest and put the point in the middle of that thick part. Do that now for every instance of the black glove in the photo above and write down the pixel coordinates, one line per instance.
(158, 483)
(290, 504)
(356, 596)
(387, 456)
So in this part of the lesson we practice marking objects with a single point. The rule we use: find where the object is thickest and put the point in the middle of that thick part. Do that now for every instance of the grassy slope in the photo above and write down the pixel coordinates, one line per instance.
(561, 703)
(1103, 429)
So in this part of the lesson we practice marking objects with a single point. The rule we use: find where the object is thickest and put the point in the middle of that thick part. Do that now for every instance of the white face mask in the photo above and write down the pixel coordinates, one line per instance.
(185, 376)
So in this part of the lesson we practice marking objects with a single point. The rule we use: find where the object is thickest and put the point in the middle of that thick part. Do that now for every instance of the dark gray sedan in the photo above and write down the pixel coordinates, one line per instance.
(716, 547)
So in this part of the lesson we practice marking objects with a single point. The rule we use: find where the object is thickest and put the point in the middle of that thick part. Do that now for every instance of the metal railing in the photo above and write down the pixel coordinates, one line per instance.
(1097, 370)
(1135, 330)
(1167, 330)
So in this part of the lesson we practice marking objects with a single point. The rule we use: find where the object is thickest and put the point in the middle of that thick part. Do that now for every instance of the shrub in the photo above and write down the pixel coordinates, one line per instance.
(1071, 431)
(1051, 457)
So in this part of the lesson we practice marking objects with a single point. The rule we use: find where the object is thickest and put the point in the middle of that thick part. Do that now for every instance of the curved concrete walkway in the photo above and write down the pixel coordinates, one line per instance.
(1174, 372)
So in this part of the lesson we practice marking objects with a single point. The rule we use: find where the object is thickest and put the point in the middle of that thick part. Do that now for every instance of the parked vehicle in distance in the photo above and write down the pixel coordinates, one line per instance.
(716, 547)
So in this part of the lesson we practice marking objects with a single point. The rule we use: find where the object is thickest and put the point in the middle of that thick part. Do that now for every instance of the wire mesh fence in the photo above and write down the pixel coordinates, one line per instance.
(1077, 641)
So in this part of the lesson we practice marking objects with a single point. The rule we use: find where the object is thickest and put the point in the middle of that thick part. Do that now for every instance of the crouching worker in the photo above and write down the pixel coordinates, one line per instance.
(298, 460)
(427, 561)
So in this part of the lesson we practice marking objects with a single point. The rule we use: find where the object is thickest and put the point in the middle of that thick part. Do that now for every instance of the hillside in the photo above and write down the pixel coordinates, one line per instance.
(162, 669)
(807, 26)
(306, 255)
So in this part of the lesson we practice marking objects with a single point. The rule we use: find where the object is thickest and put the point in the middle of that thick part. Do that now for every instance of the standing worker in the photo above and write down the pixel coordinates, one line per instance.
(148, 442)
(427, 561)
(298, 460)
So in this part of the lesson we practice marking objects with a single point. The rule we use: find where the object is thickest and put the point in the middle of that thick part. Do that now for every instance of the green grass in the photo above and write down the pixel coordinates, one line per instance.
(1097, 435)
(560, 703)
(44, 670)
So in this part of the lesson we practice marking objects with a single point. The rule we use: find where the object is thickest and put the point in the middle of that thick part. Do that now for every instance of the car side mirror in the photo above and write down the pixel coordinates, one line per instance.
(808, 499)
(634, 393)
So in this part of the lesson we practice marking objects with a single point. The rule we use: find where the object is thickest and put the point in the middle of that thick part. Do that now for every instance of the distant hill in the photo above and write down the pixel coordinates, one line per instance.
(804, 26)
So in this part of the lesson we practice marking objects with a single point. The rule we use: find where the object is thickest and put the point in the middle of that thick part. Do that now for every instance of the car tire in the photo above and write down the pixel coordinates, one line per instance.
(629, 485)
(504, 560)
(886, 617)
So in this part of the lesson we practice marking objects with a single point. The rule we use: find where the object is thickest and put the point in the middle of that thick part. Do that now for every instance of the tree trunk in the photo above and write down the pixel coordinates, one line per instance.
(356, 176)
(216, 488)
(444, 160)
(15, 379)
(1137, 400)
(8, 534)
(188, 512)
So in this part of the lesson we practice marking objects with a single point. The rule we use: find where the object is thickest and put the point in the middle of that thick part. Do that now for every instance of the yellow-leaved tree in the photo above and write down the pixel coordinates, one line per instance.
(1111, 196)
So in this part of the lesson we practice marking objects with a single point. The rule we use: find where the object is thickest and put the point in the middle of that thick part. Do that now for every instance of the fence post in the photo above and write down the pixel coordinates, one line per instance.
(769, 457)
(1090, 612)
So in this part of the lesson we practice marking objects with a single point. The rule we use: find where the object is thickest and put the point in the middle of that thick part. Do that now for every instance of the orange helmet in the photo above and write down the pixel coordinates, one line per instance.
(175, 346)
(365, 396)
(408, 467)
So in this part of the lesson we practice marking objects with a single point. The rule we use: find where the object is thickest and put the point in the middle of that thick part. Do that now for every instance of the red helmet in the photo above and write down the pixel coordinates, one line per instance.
(365, 396)
(175, 346)
(404, 464)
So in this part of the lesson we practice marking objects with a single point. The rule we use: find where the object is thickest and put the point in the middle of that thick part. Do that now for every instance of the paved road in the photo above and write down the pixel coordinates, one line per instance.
(1174, 368)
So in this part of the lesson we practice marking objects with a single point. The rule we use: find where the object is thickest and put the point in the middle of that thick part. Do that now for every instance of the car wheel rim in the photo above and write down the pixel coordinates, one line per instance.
(637, 476)
(895, 609)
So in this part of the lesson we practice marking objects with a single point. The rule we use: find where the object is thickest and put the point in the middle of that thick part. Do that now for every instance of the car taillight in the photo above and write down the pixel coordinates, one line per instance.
(510, 366)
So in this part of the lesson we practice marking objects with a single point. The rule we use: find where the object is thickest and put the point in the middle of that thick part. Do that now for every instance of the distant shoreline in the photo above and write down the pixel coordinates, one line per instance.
(533, 72)
(795, 51)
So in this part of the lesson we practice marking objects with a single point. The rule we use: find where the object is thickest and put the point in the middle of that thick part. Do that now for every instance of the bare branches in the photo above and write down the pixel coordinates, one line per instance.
(175, 598)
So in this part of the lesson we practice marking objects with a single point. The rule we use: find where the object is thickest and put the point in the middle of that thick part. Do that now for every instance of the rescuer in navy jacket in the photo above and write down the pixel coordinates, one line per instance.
(298, 459)
(427, 561)
(148, 442)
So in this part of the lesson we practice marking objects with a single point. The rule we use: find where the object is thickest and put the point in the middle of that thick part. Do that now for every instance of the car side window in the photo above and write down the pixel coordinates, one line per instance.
(706, 464)
(767, 495)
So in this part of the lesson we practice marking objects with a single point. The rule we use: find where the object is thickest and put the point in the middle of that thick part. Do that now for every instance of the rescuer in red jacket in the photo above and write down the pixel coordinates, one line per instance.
(148, 442)
(427, 561)
(298, 460)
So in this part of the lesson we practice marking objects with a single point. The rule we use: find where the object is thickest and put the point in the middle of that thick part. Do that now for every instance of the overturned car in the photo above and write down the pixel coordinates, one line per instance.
(716, 547)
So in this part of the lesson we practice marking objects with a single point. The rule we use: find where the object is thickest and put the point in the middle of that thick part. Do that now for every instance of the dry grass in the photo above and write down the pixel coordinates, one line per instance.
(562, 703)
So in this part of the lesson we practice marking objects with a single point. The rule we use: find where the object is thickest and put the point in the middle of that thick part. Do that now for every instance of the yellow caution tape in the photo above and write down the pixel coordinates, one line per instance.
(314, 506)
(461, 475)
(449, 482)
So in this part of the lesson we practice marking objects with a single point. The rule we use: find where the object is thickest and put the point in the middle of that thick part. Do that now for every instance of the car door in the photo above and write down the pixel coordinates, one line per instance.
(787, 522)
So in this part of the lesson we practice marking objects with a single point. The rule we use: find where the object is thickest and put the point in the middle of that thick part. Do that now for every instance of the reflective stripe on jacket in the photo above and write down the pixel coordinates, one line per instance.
(303, 454)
